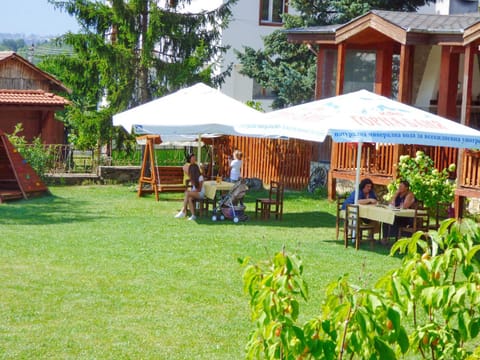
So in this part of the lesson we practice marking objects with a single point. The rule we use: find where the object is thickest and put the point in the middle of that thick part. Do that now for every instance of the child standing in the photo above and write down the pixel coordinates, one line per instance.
(236, 166)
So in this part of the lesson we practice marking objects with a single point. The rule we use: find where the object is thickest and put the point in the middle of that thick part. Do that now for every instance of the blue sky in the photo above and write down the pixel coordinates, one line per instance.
(34, 17)
(40, 18)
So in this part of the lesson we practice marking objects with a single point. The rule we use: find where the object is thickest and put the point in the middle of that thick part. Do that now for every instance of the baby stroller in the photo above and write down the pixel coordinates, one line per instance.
(230, 205)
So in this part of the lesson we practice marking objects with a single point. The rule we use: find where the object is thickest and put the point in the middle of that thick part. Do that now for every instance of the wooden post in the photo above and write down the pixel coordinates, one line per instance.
(319, 75)
(342, 49)
(464, 119)
(447, 88)
(406, 73)
(383, 72)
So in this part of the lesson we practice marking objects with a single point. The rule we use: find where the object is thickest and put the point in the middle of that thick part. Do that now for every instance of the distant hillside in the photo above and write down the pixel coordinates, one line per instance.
(32, 47)
(29, 39)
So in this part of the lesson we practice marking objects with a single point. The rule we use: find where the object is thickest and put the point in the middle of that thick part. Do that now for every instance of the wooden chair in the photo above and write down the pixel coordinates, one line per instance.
(202, 205)
(340, 220)
(273, 204)
(355, 228)
(421, 222)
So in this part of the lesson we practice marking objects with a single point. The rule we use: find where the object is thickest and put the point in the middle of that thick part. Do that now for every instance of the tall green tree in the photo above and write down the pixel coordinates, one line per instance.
(129, 52)
(289, 69)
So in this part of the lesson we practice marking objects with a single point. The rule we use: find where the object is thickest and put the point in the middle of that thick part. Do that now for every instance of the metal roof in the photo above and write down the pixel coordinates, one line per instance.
(408, 21)
(429, 23)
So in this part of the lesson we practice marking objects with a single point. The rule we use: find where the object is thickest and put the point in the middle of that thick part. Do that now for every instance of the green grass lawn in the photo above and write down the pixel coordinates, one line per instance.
(95, 272)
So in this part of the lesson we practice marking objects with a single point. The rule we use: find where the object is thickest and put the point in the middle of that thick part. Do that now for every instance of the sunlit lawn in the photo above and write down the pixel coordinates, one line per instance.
(95, 272)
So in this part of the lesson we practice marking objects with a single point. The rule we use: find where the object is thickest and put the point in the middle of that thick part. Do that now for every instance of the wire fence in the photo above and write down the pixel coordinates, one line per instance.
(68, 159)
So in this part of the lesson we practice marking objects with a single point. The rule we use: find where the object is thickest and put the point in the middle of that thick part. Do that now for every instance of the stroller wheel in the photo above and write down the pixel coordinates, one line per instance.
(214, 218)
(235, 220)
(222, 217)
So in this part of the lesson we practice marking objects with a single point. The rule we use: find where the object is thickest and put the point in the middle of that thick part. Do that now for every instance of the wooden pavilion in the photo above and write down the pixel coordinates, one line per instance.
(428, 61)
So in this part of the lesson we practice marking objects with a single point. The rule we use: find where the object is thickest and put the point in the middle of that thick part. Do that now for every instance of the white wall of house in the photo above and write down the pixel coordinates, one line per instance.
(446, 7)
(244, 30)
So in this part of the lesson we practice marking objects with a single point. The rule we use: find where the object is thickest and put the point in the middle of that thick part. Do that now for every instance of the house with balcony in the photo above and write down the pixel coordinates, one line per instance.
(430, 61)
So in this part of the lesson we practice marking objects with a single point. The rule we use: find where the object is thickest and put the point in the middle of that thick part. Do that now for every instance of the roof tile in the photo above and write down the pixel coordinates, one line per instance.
(31, 97)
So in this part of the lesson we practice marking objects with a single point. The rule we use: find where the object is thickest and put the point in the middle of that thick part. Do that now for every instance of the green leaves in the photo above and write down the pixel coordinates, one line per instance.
(425, 295)
(426, 182)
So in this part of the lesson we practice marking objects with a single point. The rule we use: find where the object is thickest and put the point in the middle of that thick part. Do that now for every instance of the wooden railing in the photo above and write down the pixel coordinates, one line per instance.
(470, 170)
(379, 162)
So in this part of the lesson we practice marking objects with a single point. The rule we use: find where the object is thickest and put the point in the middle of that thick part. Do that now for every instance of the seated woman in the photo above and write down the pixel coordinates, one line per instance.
(366, 194)
(190, 159)
(196, 193)
(402, 199)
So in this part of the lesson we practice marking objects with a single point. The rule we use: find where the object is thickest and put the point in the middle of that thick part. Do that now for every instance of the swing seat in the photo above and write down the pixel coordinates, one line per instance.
(171, 179)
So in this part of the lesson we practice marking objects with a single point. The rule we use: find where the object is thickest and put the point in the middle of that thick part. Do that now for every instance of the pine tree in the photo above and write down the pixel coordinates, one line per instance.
(129, 52)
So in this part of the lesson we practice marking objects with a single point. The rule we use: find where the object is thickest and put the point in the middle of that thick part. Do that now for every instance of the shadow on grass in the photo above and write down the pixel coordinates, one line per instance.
(307, 219)
(45, 210)
(375, 247)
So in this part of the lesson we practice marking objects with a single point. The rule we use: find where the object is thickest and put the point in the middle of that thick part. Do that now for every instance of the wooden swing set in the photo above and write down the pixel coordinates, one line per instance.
(155, 178)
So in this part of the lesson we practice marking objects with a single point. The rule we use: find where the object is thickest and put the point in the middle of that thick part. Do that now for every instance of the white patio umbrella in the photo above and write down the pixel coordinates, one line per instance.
(363, 116)
(197, 110)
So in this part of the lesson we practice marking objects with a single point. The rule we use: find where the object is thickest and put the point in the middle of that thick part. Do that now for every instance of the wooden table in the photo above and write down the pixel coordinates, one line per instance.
(211, 187)
(384, 214)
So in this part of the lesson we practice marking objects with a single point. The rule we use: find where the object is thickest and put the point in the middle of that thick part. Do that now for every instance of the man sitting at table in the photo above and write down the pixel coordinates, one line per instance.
(402, 199)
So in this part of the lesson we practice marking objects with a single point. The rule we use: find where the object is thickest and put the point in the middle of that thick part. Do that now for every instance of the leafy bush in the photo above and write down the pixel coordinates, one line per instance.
(427, 307)
(36, 154)
(426, 182)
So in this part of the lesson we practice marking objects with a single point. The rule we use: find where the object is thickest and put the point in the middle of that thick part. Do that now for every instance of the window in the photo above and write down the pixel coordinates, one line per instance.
(271, 11)
(359, 71)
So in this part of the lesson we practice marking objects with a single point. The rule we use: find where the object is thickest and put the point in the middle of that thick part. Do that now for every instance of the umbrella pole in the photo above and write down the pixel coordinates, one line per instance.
(357, 174)
(199, 149)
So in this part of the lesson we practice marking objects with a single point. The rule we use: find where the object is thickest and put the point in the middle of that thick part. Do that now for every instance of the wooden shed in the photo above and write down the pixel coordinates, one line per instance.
(27, 96)
(425, 60)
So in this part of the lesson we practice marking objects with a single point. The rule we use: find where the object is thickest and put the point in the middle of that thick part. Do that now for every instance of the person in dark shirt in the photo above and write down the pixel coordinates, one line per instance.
(402, 199)
(366, 194)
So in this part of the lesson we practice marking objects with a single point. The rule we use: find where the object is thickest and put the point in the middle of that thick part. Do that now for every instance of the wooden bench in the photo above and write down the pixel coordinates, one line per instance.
(171, 179)
(163, 179)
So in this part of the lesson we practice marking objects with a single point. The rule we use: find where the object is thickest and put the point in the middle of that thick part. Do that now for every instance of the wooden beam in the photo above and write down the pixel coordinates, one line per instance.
(464, 118)
(383, 71)
(447, 88)
(319, 75)
(342, 49)
(467, 85)
(406, 74)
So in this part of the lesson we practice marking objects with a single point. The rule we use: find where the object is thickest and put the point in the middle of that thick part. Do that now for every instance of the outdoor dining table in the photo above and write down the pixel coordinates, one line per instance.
(383, 213)
(211, 187)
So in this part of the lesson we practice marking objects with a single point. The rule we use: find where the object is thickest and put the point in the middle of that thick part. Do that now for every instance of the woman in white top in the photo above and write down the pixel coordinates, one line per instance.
(236, 166)
(196, 193)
